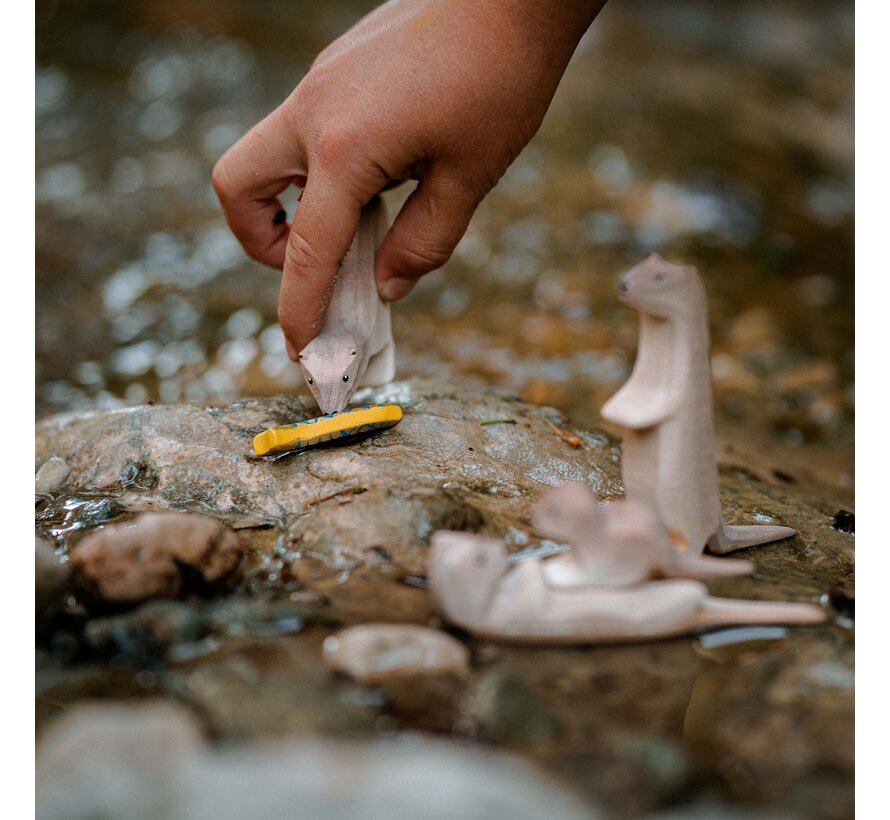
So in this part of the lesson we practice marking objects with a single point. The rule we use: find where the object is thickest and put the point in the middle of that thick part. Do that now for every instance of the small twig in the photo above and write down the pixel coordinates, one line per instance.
(564, 435)
(497, 421)
(350, 491)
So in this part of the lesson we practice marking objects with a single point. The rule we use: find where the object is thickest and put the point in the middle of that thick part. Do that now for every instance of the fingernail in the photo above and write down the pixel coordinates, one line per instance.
(396, 288)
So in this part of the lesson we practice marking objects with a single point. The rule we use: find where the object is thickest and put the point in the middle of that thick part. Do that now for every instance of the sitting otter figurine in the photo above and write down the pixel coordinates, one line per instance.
(616, 544)
(669, 450)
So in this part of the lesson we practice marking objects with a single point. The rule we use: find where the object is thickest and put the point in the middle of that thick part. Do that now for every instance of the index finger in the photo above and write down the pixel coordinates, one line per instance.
(323, 229)
(248, 179)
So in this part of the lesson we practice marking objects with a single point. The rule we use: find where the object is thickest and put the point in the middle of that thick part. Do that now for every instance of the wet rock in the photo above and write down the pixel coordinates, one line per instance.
(53, 473)
(51, 582)
(156, 556)
(114, 761)
(337, 507)
(375, 653)
(67, 514)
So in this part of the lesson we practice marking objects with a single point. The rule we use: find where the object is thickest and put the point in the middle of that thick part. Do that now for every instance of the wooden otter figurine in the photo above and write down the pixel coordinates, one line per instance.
(355, 346)
(475, 586)
(670, 454)
(616, 544)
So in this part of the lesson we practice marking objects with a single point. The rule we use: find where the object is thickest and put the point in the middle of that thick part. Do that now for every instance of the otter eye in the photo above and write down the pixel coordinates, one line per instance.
(310, 381)
(659, 278)
(301, 355)
(353, 353)
(346, 377)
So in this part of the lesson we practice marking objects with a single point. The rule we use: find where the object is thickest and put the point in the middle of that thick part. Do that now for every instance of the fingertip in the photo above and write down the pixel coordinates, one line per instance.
(395, 288)
(292, 352)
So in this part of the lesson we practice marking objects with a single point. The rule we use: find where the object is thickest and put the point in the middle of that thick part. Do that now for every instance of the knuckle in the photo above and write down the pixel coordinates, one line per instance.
(302, 253)
(333, 144)
(285, 318)
(311, 88)
(471, 188)
(221, 178)
(426, 256)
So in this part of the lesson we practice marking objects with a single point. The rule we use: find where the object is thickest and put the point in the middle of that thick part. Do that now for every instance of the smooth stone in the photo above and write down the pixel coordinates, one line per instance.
(375, 653)
(404, 778)
(53, 473)
(149, 761)
(50, 582)
(158, 555)
(114, 760)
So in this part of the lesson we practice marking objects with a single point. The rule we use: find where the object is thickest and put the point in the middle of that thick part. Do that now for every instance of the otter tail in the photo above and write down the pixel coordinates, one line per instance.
(731, 612)
(704, 566)
(729, 538)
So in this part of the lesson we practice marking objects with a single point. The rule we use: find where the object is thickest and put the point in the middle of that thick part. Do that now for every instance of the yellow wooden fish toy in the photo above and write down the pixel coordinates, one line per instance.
(304, 434)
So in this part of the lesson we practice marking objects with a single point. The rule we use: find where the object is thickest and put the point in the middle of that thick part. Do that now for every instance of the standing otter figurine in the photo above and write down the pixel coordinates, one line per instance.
(670, 453)
(355, 346)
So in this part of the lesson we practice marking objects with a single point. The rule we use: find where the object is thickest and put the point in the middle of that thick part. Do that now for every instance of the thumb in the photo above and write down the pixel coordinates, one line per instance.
(323, 229)
(424, 234)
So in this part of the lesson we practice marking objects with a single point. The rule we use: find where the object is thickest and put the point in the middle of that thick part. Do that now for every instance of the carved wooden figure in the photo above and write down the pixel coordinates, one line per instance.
(475, 586)
(616, 544)
(670, 455)
(355, 346)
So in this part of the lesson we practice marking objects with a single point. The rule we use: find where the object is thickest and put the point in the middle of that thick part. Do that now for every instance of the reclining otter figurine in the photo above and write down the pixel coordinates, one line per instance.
(607, 597)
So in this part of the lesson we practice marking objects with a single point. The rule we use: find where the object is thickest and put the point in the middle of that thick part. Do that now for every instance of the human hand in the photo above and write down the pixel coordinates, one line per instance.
(441, 91)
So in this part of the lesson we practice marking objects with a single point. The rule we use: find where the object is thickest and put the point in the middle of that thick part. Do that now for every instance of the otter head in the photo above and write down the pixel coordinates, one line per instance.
(637, 526)
(565, 511)
(332, 367)
(661, 289)
(464, 572)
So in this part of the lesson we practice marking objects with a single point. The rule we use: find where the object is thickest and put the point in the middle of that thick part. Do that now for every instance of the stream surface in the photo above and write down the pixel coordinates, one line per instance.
(715, 133)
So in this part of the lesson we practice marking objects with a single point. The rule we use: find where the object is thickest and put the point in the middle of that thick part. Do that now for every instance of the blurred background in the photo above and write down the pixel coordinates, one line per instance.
(718, 133)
